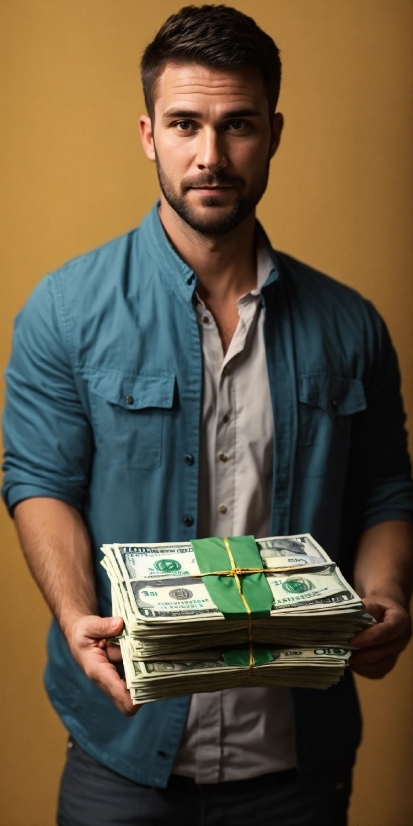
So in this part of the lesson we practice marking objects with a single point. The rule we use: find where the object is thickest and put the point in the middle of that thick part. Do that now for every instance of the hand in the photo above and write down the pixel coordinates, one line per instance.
(96, 655)
(379, 646)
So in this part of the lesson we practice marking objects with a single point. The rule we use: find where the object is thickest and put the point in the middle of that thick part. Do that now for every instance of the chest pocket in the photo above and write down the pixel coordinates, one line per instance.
(326, 406)
(128, 412)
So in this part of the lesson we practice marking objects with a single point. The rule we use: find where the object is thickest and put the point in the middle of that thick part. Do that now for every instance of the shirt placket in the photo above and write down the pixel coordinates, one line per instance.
(224, 370)
(209, 740)
(226, 429)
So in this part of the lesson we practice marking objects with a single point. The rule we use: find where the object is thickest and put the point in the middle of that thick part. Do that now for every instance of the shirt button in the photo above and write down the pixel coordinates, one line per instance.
(188, 521)
(205, 319)
(189, 459)
(222, 508)
(334, 404)
(223, 457)
(129, 399)
(226, 370)
(225, 419)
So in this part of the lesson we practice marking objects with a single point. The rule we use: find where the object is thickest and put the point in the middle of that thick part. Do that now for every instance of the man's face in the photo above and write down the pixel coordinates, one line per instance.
(212, 141)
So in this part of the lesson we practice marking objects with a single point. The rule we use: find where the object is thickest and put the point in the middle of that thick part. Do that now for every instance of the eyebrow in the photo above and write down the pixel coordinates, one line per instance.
(193, 113)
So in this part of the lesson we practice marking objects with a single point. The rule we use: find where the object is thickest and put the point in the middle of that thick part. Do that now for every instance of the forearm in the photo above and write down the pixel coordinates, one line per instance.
(384, 562)
(383, 576)
(56, 545)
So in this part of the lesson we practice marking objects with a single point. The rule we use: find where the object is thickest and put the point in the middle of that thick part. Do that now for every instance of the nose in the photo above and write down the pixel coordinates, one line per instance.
(211, 151)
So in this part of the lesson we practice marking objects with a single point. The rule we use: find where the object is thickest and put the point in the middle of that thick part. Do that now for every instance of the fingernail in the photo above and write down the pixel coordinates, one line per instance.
(115, 622)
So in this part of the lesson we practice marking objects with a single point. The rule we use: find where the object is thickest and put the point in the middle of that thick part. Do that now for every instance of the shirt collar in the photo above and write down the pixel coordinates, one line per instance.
(161, 249)
(265, 263)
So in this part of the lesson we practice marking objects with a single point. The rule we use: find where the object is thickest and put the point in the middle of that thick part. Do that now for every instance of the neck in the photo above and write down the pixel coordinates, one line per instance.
(224, 264)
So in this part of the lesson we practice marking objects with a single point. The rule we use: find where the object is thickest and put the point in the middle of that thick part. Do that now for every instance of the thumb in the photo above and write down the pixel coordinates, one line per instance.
(104, 626)
(375, 609)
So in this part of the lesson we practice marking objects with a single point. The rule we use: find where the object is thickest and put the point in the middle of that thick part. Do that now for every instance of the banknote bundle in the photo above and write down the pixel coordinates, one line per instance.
(181, 637)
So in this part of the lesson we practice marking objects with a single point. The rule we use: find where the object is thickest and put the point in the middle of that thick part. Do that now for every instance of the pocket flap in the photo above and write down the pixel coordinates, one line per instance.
(337, 395)
(131, 391)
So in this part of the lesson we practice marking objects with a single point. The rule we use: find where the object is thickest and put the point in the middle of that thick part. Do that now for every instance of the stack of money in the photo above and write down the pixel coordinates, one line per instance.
(176, 641)
(303, 668)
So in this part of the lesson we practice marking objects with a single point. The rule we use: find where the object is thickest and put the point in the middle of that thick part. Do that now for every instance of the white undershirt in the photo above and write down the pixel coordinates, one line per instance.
(242, 732)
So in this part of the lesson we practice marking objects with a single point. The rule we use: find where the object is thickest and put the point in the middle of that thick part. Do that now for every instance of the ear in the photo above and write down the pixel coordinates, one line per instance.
(277, 127)
(146, 132)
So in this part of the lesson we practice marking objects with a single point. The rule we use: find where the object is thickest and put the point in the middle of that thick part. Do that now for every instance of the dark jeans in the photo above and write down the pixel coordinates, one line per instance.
(92, 795)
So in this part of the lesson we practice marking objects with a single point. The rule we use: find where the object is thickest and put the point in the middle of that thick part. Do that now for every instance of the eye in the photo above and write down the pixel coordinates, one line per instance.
(236, 125)
(183, 125)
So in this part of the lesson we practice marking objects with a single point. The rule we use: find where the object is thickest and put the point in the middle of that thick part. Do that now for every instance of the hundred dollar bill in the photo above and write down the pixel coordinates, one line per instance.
(296, 655)
(155, 561)
(318, 633)
(170, 620)
(299, 658)
(154, 680)
(187, 597)
(302, 589)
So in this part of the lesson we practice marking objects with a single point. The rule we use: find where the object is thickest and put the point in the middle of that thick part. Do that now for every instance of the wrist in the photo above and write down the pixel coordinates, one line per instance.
(378, 588)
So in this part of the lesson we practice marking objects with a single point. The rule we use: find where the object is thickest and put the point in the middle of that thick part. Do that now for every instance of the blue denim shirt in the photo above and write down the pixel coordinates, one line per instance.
(104, 402)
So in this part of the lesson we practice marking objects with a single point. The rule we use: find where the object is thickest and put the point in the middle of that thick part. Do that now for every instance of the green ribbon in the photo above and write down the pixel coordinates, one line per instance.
(242, 656)
(212, 556)
(232, 572)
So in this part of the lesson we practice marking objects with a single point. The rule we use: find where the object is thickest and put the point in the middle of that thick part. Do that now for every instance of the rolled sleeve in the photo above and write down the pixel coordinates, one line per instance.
(47, 435)
(383, 478)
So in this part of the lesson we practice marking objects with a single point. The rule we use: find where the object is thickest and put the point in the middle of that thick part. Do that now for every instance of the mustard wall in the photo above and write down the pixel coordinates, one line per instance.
(339, 198)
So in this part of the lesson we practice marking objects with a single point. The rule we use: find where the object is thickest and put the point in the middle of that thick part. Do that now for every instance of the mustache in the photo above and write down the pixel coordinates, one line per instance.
(213, 179)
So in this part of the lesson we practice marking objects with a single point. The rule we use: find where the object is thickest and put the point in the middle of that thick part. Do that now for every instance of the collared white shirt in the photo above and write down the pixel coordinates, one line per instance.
(243, 732)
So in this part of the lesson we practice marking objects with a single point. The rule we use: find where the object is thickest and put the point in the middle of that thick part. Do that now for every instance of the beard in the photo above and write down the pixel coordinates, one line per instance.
(221, 222)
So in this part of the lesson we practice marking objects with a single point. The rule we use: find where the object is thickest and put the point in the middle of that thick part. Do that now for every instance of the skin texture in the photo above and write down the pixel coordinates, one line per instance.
(383, 576)
(57, 548)
(212, 141)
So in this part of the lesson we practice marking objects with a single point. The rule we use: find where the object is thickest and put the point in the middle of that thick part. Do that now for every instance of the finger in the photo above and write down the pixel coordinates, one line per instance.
(378, 652)
(375, 609)
(122, 701)
(384, 636)
(375, 671)
(114, 653)
(108, 680)
(395, 623)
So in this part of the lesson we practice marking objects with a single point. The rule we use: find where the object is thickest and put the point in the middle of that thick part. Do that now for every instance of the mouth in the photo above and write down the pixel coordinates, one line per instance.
(204, 188)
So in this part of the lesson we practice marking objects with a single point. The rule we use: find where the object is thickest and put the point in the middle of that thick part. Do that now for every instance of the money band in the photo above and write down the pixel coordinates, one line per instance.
(238, 590)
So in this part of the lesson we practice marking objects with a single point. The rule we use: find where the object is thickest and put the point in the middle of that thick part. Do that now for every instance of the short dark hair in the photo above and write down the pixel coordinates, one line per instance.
(219, 37)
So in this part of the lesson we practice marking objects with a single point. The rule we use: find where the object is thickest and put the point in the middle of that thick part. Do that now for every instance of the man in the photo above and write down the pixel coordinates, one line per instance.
(186, 380)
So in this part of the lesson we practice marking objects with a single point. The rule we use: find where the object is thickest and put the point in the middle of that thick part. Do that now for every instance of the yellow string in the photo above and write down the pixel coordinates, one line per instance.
(242, 571)
(236, 573)
(247, 608)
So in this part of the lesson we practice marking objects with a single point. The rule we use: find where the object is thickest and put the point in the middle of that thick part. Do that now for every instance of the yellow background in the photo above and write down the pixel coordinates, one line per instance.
(74, 176)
